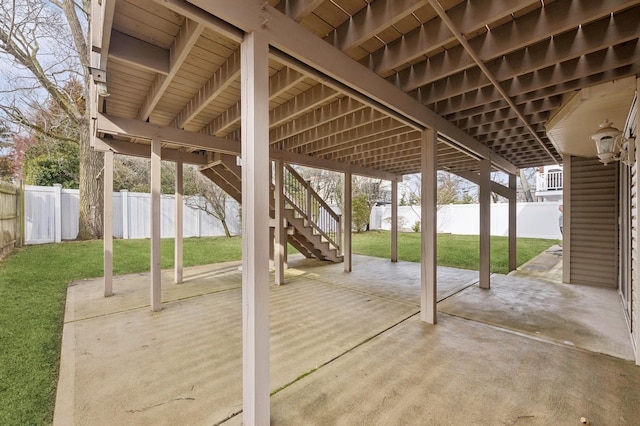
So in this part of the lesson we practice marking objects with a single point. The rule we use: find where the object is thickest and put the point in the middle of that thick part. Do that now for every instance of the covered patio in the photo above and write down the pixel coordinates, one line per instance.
(349, 348)
(244, 89)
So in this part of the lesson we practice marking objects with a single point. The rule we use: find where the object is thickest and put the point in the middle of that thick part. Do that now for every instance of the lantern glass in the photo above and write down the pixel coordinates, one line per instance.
(606, 145)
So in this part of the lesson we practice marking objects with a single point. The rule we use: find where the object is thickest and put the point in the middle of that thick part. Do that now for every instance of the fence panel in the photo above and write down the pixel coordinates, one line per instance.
(8, 217)
(39, 217)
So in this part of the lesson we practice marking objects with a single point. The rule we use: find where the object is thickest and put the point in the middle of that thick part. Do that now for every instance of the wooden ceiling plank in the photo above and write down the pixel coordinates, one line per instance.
(556, 18)
(185, 40)
(138, 53)
(220, 80)
(468, 16)
(289, 37)
(368, 130)
(354, 120)
(394, 140)
(298, 9)
(371, 20)
(334, 110)
(301, 104)
(327, 147)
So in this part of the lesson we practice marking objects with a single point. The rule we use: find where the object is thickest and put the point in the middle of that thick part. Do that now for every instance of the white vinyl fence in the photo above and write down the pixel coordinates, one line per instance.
(51, 215)
(534, 220)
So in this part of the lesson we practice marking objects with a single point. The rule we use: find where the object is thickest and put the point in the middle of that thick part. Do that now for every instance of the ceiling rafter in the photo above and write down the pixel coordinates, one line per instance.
(336, 109)
(443, 15)
(326, 148)
(352, 135)
(555, 18)
(290, 38)
(371, 20)
(389, 141)
(178, 53)
(219, 81)
(298, 9)
(356, 119)
(468, 17)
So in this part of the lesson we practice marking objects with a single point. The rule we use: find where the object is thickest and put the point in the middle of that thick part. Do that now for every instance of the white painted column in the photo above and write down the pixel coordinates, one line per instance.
(485, 224)
(429, 227)
(280, 231)
(347, 203)
(178, 224)
(394, 220)
(125, 213)
(513, 233)
(156, 286)
(107, 233)
(255, 229)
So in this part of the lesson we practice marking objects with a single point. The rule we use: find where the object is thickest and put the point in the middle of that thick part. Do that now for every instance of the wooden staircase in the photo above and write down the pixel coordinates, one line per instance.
(313, 228)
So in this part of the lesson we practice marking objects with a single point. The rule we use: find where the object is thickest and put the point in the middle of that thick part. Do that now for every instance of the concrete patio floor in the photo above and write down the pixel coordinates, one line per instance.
(348, 348)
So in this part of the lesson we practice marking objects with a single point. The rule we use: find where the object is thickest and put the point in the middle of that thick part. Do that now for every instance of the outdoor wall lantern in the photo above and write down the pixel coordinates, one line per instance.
(613, 146)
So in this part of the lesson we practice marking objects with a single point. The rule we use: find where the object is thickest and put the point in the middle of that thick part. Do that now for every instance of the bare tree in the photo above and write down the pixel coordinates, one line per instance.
(43, 49)
(206, 196)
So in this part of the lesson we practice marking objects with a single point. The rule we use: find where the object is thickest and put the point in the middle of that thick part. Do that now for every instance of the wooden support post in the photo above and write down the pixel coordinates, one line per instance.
(347, 203)
(394, 220)
(178, 224)
(485, 223)
(428, 222)
(156, 286)
(255, 228)
(513, 230)
(280, 230)
(108, 224)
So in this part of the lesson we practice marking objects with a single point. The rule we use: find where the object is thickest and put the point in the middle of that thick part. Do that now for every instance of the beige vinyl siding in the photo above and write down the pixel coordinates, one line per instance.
(594, 223)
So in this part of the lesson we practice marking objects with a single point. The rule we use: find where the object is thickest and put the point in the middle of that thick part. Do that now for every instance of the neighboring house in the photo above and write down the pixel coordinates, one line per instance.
(549, 183)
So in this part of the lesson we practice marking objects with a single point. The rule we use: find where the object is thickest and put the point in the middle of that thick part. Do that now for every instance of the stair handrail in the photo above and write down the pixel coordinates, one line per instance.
(328, 223)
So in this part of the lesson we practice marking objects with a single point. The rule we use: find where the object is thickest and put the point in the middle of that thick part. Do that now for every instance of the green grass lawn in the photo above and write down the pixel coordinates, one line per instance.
(457, 251)
(33, 283)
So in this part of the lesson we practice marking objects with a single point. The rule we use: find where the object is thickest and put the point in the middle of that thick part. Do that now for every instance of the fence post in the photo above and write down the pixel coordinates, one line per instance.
(19, 214)
(57, 212)
(125, 213)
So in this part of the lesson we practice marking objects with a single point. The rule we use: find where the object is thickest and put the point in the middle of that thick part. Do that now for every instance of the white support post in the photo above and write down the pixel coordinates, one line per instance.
(394, 220)
(485, 224)
(156, 286)
(255, 228)
(280, 230)
(108, 223)
(428, 223)
(178, 224)
(513, 233)
(57, 216)
(347, 203)
(125, 213)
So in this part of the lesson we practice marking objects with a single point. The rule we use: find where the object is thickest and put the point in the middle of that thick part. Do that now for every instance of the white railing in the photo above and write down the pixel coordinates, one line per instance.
(549, 181)
(308, 205)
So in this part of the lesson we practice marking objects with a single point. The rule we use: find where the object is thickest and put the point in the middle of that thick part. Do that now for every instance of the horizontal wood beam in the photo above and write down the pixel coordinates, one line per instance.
(496, 187)
(119, 126)
(144, 151)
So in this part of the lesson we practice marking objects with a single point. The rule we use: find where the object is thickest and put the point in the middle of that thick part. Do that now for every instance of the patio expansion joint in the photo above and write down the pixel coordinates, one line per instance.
(146, 306)
(548, 341)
